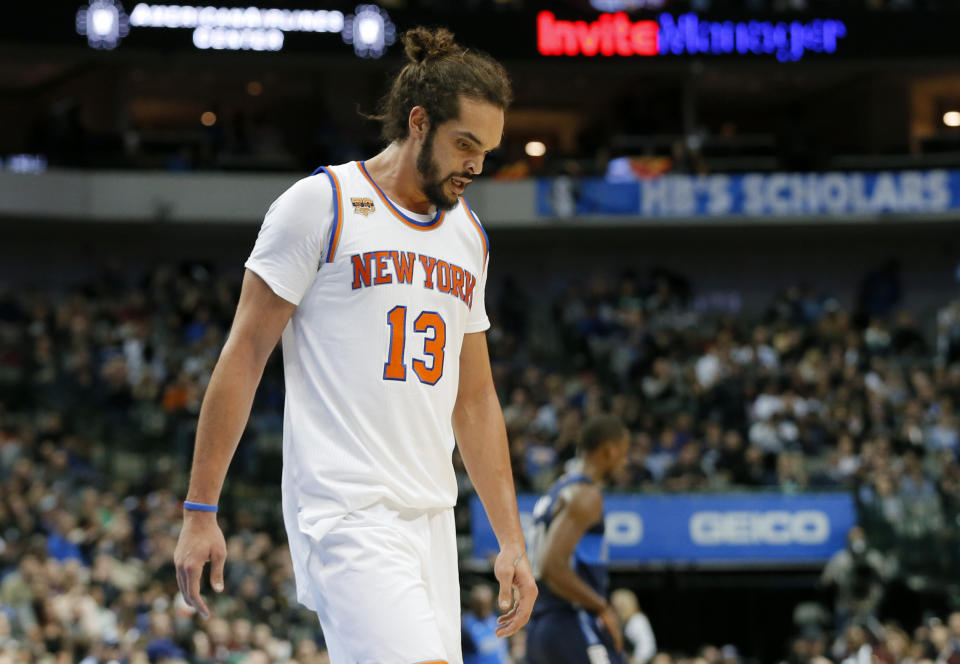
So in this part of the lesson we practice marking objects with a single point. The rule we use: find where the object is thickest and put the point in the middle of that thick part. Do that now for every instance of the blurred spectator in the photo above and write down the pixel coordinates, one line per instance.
(856, 648)
(857, 574)
(481, 645)
(686, 474)
(639, 641)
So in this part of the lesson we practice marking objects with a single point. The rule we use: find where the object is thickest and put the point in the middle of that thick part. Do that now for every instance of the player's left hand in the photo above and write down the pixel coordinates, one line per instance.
(518, 590)
(610, 622)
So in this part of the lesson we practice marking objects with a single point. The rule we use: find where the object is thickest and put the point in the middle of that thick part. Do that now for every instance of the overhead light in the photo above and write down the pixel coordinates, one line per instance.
(26, 163)
(535, 149)
(103, 23)
(208, 119)
(254, 88)
(370, 30)
(951, 118)
(626, 5)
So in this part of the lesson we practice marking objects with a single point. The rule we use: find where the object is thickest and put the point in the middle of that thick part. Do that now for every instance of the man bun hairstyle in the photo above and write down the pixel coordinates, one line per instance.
(422, 44)
(599, 430)
(438, 72)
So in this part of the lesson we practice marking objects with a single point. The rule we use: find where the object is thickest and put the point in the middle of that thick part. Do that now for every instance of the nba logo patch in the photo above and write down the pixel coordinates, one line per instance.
(362, 206)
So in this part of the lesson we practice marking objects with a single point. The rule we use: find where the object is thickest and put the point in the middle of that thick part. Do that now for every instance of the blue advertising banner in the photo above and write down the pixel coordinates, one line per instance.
(708, 529)
(751, 195)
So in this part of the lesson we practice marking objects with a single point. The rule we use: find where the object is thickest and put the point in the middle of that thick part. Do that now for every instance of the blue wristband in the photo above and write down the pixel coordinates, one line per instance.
(199, 507)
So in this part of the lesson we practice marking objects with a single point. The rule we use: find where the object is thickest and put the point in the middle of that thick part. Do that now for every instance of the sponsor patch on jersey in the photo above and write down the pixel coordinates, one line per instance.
(362, 206)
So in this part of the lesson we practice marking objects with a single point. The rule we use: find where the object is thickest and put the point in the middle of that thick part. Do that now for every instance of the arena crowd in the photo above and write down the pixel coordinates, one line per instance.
(100, 385)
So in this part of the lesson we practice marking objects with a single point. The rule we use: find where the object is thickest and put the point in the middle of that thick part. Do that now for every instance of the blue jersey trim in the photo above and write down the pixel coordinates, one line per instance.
(437, 218)
(337, 212)
(589, 633)
(476, 222)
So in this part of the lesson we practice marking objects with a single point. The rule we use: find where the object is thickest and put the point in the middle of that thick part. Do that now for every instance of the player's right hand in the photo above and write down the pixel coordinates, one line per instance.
(512, 569)
(610, 622)
(201, 541)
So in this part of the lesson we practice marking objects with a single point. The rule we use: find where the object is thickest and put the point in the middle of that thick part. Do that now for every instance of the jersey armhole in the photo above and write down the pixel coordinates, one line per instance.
(484, 240)
(337, 225)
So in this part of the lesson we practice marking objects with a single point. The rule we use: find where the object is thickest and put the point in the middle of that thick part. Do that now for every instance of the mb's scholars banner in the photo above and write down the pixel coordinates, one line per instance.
(788, 195)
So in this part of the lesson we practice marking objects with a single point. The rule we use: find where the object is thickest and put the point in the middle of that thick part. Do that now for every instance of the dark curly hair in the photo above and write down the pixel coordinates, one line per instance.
(439, 71)
(599, 430)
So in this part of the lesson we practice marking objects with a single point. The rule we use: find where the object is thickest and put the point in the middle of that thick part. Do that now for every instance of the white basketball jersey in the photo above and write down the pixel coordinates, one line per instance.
(372, 353)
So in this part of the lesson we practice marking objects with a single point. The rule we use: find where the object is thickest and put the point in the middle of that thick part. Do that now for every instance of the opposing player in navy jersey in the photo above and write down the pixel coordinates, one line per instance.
(572, 621)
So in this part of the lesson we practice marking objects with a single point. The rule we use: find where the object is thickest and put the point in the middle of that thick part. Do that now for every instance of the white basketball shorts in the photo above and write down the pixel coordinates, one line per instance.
(384, 583)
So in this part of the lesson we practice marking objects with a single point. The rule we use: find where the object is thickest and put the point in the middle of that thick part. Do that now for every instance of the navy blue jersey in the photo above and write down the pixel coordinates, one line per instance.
(590, 559)
(569, 637)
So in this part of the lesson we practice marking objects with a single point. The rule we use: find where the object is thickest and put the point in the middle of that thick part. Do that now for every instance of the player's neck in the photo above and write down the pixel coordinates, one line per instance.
(592, 471)
(395, 172)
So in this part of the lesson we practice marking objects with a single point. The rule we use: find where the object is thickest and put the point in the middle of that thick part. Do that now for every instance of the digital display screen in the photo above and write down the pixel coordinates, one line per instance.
(541, 31)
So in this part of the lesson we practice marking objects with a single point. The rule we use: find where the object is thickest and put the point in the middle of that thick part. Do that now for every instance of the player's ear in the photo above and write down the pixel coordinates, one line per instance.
(418, 123)
(613, 452)
(607, 452)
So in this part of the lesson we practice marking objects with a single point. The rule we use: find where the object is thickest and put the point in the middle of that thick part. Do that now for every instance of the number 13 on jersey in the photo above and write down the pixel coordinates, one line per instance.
(428, 323)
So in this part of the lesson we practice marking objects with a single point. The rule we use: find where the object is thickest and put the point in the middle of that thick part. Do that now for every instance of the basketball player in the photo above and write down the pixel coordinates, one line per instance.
(572, 622)
(373, 273)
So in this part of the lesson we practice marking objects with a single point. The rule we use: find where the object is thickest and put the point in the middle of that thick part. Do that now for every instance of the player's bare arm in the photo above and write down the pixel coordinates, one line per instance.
(257, 325)
(482, 439)
(582, 509)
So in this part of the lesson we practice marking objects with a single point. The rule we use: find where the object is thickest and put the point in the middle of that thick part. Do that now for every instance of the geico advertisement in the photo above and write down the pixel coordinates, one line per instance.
(806, 528)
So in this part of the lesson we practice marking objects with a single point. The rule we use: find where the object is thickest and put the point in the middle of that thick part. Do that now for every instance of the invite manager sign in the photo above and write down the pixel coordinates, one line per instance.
(753, 195)
(708, 529)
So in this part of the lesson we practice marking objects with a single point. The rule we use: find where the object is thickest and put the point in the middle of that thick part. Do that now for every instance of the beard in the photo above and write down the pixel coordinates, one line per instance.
(432, 182)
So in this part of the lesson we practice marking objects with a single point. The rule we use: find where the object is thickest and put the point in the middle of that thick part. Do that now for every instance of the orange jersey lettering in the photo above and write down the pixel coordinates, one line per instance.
(403, 263)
